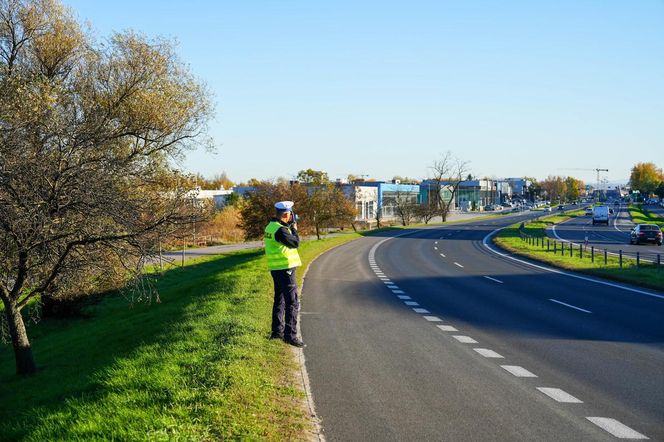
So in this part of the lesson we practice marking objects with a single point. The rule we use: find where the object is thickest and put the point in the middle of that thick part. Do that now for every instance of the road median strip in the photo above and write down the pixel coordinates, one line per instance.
(531, 241)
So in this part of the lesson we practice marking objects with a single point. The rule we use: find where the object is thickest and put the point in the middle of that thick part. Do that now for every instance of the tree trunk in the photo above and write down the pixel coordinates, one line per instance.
(25, 362)
(317, 232)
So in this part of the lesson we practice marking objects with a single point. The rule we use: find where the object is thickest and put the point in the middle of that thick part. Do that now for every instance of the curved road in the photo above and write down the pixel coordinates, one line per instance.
(613, 237)
(433, 336)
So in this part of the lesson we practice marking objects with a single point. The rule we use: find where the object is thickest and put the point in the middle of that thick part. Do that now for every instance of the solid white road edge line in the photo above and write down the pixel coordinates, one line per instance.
(560, 272)
(570, 306)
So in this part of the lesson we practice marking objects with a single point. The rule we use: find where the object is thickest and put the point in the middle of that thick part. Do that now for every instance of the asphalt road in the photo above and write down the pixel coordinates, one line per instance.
(613, 237)
(502, 350)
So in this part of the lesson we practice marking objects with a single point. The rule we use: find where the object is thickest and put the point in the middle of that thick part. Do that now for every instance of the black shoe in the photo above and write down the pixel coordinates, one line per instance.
(276, 336)
(295, 342)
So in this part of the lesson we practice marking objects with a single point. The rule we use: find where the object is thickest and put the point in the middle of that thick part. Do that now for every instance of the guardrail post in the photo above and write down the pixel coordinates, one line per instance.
(592, 253)
(547, 245)
(555, 247)
(638, 259)
(620, 253)
(571, 249)
(659, 262)
(581, 251)
(605, 259)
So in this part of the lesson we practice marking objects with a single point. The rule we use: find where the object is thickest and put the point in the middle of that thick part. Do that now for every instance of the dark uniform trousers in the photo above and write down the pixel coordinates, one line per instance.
(286, 305)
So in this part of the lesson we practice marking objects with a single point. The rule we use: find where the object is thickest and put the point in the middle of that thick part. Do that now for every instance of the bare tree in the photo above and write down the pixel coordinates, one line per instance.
(87, 132)
(405, 206)
(448, 172)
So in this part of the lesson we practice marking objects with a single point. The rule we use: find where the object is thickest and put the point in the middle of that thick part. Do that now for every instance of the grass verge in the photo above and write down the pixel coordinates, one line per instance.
(196, 366)
(643, 216)
(646, 275)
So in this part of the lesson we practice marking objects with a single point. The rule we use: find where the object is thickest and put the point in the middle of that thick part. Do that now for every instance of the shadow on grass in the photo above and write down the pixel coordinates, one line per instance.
(74, 356)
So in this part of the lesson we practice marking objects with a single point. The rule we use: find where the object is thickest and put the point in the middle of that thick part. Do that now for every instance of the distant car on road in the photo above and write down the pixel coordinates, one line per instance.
(616, 202)
(547, 209)
(589, 211)
(561, 207)
(646, 233)
(601, 215)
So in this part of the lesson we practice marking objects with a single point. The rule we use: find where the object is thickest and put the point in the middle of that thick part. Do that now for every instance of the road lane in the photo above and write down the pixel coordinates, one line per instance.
(360, 329)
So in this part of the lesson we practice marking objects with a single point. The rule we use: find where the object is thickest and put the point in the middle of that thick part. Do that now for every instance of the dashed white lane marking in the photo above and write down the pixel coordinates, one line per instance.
(435, 248)
(570, 306)
(616, 428)
(465, 339)
(411, 303)
(443, 255)
(392, 286)
(398, 292)
(488, 353)
(457, 264)
(433, 319)
(518, 371)
(494, 279)
(447, 328)
(404, 297)
(559, 395)
(421, 310)
(436, 242)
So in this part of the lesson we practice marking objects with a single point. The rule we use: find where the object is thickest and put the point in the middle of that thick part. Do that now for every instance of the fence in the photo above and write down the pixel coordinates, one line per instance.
(602, 256)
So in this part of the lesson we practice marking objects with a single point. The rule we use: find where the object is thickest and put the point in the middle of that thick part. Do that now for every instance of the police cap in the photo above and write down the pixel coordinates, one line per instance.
(284, 206)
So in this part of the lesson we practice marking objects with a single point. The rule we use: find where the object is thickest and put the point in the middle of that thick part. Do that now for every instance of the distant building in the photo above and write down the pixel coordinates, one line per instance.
(218, 196)
(365, 199)
(519, 186)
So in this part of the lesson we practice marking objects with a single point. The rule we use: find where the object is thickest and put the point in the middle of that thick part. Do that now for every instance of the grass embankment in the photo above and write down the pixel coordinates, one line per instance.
(646, 275)
(643, 216)
(197, 366)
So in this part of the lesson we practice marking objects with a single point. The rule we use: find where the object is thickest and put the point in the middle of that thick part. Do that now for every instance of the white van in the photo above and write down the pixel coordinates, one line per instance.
(601, 215)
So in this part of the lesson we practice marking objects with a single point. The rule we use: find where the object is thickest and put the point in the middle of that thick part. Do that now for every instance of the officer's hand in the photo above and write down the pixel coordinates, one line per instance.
(294, 226)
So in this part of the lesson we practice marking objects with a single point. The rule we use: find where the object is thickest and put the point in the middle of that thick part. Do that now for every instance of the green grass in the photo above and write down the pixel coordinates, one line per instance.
(642, 216)
(646, 275)
(196, 366)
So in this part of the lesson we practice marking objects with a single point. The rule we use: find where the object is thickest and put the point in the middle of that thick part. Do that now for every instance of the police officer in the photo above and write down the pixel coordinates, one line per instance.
(281, 243)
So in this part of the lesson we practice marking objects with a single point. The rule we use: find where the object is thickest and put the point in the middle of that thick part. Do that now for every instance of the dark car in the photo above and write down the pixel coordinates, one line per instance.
(646, 233)
(561, 207)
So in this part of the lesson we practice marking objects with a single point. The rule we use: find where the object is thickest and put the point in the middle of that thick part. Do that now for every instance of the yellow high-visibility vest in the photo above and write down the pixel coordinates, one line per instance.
(279, 256)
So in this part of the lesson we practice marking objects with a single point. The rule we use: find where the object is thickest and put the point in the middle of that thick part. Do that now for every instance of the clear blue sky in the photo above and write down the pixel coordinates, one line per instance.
(382, 88)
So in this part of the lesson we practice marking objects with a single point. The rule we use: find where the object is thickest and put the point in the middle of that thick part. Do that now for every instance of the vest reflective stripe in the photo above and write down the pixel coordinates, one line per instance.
(279, 256)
